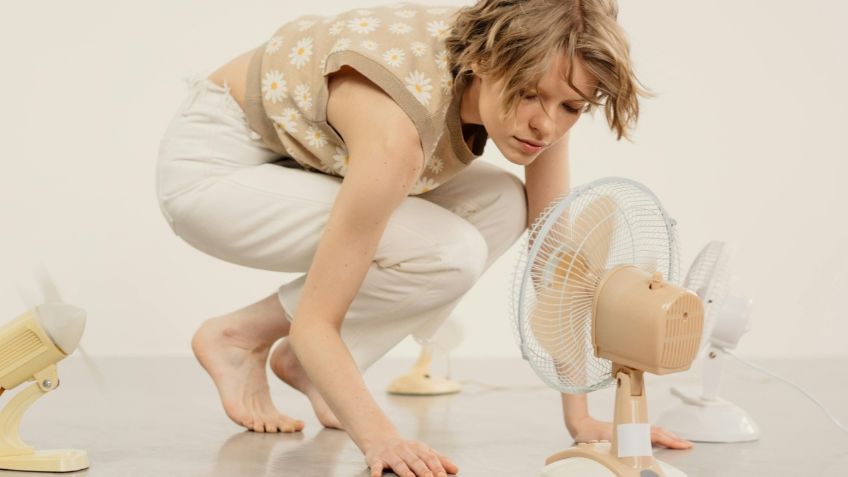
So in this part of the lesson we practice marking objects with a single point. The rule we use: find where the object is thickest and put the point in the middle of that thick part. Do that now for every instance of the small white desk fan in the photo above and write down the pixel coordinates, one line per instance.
(30, 347)
(591, 308)
(703, 416)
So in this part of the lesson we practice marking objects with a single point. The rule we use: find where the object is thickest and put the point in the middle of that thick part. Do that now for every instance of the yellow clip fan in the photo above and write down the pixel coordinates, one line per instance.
(30, 347)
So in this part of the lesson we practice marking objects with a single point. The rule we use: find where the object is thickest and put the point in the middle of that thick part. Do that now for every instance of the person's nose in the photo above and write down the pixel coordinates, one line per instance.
(542, 124)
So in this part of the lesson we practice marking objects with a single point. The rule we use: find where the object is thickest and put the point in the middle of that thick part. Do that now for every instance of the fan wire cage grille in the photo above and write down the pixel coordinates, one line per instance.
(561, 264)
(708, 277)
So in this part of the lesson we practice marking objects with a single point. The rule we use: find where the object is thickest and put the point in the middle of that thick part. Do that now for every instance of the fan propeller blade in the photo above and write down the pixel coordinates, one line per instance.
(63, 323)
(594, 232)
(578, 265)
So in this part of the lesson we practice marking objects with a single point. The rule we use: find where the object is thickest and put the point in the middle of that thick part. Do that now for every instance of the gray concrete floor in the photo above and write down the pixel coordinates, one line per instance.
(161, 417)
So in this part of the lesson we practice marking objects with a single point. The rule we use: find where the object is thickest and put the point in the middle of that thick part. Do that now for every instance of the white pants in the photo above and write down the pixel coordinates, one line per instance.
(227, 195)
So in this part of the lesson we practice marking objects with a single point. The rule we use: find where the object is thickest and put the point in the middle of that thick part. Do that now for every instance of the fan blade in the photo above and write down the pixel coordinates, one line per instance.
(40, 289)
(578, 262)
(593, 231)
(99, 379)
(447, 337)
(558, 330)
(46, 284)
(29, 297)
(63, 323)
(555, 315)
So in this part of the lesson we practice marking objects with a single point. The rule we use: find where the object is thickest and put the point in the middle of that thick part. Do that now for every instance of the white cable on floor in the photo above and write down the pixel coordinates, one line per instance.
(799, 388)
(497, 387)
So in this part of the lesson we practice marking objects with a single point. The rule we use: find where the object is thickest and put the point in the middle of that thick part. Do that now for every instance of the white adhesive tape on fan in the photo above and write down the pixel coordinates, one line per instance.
(634, 440)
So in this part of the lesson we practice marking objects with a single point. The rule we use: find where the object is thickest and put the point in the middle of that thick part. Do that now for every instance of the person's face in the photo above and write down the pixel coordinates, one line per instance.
(543, 115)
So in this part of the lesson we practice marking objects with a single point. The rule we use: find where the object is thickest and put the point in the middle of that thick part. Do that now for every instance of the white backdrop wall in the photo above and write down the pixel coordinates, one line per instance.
(744, 141)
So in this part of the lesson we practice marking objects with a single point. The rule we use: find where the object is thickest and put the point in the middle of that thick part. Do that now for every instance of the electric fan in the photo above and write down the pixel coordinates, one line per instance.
(30, 347)
(419, 381)
(703, 416)
(591, 308)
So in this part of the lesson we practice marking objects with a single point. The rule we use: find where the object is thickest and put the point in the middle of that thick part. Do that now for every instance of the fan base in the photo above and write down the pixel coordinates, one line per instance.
(595, 460)
(59, 460)
(423, 384)
(715, 420)
(582, 467)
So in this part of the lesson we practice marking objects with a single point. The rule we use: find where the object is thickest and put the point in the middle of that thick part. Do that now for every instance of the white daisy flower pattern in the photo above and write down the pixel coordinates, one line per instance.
(413, 51)
(340, 44)
(424, 184)
(287, 120)
(301, 52)
(303, 97)
(437, 28)
(420, 86)
(273, 45)
(337, 28)
(370, 45)
(316, 137)
(394, 57)
(418, 48)
(274, 87)
(436, 165)
(340, 159)
(363, 25)
(442, 59)
(446, 83)
(400, 28)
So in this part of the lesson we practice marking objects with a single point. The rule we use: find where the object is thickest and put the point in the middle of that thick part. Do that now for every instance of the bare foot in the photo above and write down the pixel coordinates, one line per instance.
(285, 365)
(237, 367)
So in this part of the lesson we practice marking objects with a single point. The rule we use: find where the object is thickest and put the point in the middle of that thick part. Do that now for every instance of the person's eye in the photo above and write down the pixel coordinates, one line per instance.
(572, 110)
(528, 96)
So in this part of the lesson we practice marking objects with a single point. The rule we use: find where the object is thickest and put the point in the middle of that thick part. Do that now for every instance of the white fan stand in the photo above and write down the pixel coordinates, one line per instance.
(714, 420)
(703, 416)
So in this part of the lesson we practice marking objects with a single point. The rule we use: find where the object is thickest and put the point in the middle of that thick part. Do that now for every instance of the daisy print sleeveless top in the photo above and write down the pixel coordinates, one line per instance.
(398, 47)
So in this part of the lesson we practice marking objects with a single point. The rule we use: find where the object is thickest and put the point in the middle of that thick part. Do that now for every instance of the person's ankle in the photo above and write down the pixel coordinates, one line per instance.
(234, 331)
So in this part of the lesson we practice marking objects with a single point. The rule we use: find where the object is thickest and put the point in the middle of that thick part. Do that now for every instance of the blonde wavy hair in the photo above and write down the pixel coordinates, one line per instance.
(516, 40)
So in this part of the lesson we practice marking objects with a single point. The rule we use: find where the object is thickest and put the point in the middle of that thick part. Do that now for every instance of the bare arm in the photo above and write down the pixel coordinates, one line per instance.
(385, 159)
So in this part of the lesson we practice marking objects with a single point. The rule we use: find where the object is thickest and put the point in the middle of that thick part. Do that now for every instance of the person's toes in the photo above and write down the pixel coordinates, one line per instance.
(270, 426)
(247, 424)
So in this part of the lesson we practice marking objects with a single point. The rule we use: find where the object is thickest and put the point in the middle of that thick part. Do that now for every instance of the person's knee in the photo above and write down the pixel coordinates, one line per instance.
(463, 255)
(507, 216)
(514, 202)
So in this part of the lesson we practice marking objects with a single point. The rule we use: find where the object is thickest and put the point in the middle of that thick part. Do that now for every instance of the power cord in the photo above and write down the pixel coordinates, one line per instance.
(496, 387)
(799, 388)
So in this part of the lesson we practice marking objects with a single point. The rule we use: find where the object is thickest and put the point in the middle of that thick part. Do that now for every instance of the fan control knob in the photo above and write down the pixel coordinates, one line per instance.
(656, 281)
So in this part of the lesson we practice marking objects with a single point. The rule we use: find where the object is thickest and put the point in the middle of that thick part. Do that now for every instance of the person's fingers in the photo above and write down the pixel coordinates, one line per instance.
(415, 463)
(377, 468)
(433, 463)
(400, 468)
(430, 458)
(668, 439)
(448, 464)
